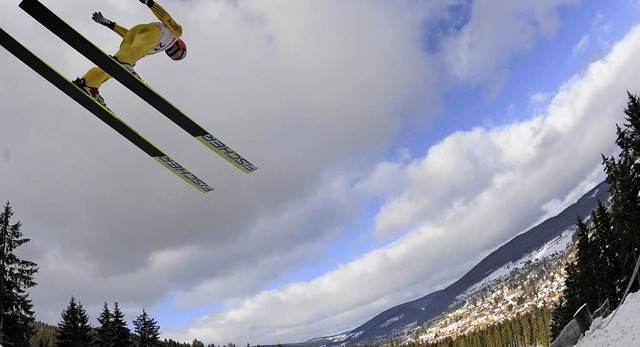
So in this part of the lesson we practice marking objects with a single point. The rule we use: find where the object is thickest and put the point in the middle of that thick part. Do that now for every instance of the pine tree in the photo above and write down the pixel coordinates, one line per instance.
(147, 330)
(544, 333)
(121, 336)
(569, 303)
(16, 276)
(623, 175)
(104, 333)
(526, 329)
(74, 330)
(587, 291)
(607, 258)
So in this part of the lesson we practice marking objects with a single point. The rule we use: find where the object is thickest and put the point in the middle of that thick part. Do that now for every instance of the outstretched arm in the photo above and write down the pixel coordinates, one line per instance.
(99, 18)
(164, 17)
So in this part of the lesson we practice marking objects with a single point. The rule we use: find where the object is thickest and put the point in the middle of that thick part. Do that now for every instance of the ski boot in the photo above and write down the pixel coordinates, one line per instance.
(93, 92)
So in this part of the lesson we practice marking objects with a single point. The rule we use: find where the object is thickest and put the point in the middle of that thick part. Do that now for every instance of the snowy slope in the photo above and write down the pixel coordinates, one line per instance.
(558, 245)
(622, 330)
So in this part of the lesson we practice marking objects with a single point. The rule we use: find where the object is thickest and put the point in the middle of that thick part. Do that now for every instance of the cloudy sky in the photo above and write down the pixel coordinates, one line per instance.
(398, 143)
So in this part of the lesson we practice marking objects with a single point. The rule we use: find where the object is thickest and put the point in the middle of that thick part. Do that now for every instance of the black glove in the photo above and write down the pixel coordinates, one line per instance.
(99, 18)
(147, 2)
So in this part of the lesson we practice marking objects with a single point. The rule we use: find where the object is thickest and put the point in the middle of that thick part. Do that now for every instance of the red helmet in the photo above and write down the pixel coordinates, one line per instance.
(177, 51)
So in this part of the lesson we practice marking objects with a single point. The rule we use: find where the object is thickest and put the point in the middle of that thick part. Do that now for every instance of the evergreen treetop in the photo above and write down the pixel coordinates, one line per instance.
(104, 332)
(121, 334)
(74, 329)
(16, 276)
(147, 331)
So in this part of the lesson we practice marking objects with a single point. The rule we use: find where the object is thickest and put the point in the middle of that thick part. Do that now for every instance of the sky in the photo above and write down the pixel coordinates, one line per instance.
(398, 143)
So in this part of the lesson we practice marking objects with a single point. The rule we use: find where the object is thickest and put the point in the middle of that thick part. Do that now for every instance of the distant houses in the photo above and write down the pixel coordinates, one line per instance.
(523, 290)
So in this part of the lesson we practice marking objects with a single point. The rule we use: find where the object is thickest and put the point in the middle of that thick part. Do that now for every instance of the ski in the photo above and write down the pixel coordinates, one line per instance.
(85, 47)
(103, 113)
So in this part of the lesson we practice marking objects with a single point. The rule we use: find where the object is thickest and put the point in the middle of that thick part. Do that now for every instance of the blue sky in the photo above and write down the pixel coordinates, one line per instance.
(385, 133)
(541, 69)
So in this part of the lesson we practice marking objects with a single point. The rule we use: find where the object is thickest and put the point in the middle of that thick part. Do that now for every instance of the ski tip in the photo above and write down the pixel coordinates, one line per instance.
(183, 173)
(227, 153)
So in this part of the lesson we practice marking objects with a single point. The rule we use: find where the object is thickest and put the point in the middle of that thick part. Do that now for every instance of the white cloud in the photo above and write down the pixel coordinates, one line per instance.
(497, 29)
(581, 45)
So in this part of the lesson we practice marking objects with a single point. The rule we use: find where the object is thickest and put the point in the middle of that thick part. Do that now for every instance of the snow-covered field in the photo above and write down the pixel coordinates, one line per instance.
(623, 329)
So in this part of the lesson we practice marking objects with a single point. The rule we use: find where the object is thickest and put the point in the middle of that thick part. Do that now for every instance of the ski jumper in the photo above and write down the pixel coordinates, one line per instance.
(138, 42)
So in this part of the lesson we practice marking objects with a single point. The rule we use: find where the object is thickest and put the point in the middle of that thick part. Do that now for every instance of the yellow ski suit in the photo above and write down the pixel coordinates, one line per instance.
(138, 42)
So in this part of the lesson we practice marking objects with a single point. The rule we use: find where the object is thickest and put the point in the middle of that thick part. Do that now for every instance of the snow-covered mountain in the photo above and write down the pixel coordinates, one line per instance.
(555, 246)
(546, 239)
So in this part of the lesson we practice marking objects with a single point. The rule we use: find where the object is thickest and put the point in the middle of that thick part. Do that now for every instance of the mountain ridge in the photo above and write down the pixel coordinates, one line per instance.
(415, 313)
